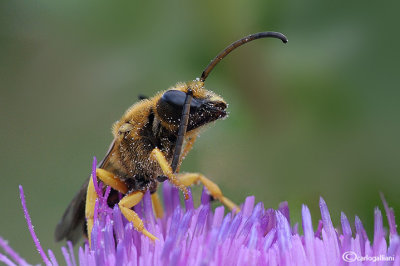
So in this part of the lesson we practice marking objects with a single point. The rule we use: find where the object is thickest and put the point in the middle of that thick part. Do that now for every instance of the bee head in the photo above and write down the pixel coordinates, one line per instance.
(205, 106)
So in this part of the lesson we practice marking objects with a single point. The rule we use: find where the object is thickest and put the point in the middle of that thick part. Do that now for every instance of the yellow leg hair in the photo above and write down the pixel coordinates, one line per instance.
(188, 146)
(189, 179)
(125, 203)
(158, 209)
(157, 155)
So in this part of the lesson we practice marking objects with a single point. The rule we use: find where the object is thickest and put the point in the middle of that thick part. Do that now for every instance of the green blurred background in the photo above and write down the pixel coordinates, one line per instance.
(316, 117)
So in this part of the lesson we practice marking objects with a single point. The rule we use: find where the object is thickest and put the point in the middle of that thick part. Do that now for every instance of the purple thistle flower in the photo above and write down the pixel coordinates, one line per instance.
(201, 236)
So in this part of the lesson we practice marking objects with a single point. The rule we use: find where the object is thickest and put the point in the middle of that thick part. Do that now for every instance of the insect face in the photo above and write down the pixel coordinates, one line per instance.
(149, 143)
(205, 106)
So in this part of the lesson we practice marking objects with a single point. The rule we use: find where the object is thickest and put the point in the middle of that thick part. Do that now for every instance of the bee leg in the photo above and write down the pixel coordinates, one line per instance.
(111, 180)
(158, 209)
(189, 179)
(188, 146)
(157, 155)
(91, 196)
(125, 205)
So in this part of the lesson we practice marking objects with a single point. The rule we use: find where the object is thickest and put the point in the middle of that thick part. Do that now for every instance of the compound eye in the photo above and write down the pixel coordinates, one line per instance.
(170, 105)
(174, 98)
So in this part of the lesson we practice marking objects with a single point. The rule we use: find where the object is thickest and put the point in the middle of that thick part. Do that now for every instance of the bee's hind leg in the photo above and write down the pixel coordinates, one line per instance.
(127, 202)
(91, 196)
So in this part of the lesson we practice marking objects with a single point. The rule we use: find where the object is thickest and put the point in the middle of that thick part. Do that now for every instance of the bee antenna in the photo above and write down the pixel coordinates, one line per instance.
(238, 43)
(182, 130)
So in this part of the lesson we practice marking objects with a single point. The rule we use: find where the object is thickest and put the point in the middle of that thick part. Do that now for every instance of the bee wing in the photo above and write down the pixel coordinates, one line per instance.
(72, 224)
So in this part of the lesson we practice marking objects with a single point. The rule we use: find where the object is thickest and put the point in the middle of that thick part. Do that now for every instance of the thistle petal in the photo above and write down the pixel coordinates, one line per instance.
(201, 236)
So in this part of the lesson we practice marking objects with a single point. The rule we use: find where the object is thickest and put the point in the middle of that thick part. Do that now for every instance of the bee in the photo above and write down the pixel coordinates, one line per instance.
(150, 141)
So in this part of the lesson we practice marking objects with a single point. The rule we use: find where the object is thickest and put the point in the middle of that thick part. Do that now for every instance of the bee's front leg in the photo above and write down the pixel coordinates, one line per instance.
(157, 155)
(189, 144)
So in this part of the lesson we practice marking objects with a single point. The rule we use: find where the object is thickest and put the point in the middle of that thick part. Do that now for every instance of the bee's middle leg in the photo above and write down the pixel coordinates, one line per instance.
(185, 180)
(189, 179)
(127, 202)
(125, 205)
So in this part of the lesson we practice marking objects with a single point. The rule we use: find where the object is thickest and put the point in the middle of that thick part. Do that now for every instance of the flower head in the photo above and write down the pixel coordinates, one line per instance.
(201, 236)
